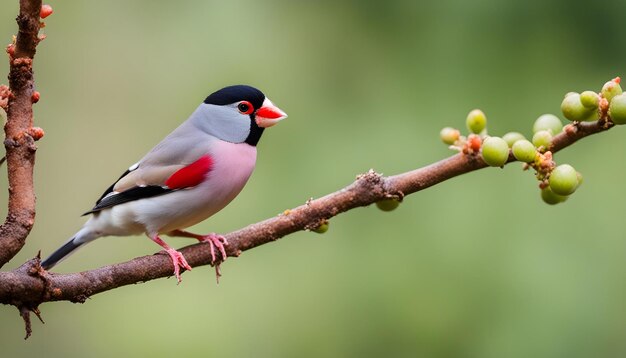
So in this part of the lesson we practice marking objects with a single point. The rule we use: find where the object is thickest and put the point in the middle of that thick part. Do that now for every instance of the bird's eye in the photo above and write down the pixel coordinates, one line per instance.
(245, 107)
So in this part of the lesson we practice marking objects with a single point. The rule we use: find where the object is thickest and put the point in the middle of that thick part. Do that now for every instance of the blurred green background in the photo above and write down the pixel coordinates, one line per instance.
(475, 267)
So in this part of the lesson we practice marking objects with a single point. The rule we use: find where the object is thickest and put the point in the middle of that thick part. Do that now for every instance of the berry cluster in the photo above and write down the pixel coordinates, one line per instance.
(557, 183)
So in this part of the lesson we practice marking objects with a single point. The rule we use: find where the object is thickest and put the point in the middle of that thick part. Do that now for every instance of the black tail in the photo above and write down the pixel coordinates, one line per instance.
(61, 253)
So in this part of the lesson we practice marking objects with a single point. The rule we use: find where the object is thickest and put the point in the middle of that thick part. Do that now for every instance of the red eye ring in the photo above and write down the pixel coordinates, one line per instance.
(245, 107)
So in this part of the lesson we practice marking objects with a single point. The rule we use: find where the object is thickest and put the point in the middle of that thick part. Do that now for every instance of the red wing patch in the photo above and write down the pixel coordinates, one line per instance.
(191, 175)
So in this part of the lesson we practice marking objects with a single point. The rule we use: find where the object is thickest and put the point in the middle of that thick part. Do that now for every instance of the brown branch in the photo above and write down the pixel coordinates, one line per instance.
(29, 285)
(19, 143)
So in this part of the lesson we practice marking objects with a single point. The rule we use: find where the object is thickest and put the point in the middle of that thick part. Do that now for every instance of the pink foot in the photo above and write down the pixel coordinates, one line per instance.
(214, 241)
(178, 260)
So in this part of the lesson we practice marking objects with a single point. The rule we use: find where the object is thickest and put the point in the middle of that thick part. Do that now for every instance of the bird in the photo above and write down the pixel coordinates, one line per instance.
(193, 173)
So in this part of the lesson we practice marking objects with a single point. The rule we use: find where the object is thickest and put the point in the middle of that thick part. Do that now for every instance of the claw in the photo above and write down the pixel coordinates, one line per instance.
(178, 260)
(214, 241)
(218, 273)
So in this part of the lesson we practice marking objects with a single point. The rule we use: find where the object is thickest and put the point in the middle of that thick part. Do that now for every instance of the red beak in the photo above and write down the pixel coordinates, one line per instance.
(269, 114)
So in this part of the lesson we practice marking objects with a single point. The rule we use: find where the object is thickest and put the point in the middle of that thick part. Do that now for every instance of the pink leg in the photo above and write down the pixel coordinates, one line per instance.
(214, 241)
(178, 259)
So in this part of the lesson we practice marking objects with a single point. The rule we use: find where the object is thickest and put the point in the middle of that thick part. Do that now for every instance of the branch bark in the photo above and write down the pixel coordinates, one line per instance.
(29, 285)
(19, 141)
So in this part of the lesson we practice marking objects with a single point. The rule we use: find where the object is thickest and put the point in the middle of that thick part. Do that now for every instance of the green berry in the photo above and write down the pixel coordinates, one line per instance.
(590, 99)
(512, 137)
(322, 228)
(617, 109)
(611, 89)
(524, 151)
(495, 151)
(570, 106)
(548, 122)
(580, 178)
(449, 135)
(564, 180)
(574, 110)
(550, 197)
(476, 121)
(542, 139)
(387, 204)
